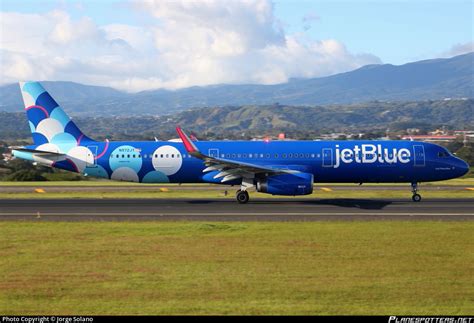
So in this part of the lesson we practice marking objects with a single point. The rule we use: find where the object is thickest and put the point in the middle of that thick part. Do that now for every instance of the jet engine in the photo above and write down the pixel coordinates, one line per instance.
(286, 184)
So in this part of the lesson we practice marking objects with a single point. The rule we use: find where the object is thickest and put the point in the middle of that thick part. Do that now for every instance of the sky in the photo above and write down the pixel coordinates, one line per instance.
(136, 45)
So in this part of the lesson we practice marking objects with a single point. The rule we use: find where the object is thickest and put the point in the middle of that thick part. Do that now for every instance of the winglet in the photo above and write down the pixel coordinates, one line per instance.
(188, 144)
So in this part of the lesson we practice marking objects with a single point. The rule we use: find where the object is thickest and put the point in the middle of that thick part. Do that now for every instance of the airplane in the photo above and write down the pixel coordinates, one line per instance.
(288, 168)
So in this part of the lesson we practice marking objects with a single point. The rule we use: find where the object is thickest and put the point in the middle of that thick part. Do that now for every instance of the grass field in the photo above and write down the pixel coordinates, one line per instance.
(237, 268)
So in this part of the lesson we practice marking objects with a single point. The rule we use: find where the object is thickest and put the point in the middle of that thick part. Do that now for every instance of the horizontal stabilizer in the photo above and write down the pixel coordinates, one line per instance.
(38, 152)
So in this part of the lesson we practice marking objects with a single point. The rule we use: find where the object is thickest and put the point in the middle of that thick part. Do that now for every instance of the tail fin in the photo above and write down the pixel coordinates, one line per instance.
(48, 122)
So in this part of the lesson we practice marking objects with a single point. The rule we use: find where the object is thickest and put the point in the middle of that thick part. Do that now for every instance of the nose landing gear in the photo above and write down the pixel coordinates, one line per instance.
(414, 189)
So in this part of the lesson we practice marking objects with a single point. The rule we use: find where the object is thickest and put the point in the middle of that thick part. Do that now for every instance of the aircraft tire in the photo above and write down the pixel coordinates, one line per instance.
(416, 197)
(242, 197)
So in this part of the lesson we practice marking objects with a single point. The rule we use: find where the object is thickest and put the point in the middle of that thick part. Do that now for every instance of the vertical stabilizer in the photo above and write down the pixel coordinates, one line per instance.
(49, 124)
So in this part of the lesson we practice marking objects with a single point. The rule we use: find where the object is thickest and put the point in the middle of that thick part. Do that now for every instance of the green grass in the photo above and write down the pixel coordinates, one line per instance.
(404, 268)
(208, 194)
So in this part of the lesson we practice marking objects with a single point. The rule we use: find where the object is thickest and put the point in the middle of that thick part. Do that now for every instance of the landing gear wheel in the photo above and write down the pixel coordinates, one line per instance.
(414, 189)
(242, 197)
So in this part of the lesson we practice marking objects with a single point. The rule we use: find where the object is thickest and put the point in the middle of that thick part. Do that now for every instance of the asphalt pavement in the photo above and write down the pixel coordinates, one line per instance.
(285, 209)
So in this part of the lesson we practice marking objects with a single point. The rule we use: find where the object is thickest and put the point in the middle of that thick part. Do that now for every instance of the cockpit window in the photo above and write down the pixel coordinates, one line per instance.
(443, 154)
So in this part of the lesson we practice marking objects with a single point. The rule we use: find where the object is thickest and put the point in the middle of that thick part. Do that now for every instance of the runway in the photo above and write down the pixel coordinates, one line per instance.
(152, 188)
(228, 210)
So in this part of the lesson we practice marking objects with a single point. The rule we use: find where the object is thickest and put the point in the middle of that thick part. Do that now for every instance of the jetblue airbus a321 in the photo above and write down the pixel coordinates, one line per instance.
(274, 167)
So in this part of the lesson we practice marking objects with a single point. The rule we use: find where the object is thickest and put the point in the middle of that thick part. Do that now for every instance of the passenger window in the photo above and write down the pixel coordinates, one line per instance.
(172, 155)
(161, 156)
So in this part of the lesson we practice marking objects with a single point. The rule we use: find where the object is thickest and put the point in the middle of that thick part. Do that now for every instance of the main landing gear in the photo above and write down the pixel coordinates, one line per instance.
(414, 189)
(242, 196)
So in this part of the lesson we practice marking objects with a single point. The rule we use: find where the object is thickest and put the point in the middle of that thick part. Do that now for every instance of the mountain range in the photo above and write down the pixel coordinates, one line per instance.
(244, 122)
(432, 79)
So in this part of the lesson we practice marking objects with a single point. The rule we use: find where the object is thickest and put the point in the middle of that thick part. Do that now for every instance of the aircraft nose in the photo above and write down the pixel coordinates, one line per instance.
(461, 166)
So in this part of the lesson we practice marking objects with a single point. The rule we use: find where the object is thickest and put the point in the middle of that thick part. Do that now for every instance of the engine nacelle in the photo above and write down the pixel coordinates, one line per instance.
(286, 184)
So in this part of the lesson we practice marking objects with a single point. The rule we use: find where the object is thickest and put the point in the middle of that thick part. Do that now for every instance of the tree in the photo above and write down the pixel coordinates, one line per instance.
(23, 170)
(25, 175)
(467, 154)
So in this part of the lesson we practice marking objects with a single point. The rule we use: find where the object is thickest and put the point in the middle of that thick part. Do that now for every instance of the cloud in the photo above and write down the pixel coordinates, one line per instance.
(188, 43)
(309, 19)
(459, 49)
(223, 28)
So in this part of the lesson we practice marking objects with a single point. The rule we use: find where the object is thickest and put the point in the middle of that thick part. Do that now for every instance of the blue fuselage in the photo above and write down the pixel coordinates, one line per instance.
(328, 161)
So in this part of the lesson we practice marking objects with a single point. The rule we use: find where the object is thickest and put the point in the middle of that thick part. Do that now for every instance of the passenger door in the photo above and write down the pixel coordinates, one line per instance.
(91, 158)
(419, 155)
(328, 159)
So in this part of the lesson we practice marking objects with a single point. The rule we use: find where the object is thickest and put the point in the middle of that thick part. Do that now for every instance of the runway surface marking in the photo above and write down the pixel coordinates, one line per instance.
(229, 210)
(79, 188)
(231, 214)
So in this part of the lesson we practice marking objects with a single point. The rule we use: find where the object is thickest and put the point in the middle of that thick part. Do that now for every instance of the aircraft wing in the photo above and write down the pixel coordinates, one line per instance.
(228, 169)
